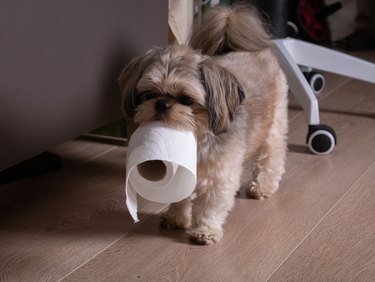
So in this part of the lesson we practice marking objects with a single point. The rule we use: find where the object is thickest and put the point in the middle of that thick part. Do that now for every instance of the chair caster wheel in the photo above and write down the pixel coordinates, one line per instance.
(321, 139)
(316, 80)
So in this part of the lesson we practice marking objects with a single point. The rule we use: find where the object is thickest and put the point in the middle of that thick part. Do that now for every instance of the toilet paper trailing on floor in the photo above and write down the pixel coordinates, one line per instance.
(161, 165)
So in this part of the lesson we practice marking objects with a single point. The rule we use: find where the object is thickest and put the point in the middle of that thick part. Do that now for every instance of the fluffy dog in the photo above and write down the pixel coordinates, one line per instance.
(227, 87)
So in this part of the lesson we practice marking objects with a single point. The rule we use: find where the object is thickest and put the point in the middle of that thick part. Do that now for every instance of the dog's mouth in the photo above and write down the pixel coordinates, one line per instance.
(161, 117)
(180, 124)
(175, 116)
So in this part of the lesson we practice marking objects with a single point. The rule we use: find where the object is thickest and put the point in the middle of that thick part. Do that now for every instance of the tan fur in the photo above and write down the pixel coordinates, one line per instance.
(238, 28)
(238, 113)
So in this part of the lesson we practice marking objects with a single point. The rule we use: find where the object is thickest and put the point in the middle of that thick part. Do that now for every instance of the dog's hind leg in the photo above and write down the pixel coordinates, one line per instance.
(268, 170)
(269, 167)
(269, 164)
(178, 215)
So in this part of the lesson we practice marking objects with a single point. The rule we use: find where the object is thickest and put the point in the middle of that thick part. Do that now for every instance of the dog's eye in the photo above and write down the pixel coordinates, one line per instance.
(184, 100)
(149, 95)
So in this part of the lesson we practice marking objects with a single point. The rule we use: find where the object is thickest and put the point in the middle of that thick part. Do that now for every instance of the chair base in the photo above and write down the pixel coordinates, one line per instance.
(294, 53)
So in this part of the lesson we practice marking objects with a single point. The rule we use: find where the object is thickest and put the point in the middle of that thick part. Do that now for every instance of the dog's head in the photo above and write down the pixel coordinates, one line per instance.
(182, 88)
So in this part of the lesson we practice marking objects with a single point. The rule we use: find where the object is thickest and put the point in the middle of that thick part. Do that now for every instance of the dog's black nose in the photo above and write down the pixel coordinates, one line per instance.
(163, 105)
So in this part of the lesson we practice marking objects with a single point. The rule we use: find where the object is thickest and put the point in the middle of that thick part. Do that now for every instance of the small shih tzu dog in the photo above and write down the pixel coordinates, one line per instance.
(227, 87)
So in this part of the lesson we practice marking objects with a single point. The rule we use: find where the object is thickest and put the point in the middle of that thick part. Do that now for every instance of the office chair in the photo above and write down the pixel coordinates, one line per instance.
(294, 55)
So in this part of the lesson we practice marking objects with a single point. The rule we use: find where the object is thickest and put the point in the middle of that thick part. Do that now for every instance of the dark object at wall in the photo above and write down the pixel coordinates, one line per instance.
(275, 14)
(361, 41)
(40, 164)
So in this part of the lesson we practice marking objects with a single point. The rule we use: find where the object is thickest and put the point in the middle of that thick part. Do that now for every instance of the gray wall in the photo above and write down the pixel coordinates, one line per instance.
(59, 61)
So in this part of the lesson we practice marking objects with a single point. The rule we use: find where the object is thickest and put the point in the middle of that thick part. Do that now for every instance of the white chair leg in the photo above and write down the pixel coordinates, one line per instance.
(321, 139)
(298, 84)
(292, 54)
(318, 57)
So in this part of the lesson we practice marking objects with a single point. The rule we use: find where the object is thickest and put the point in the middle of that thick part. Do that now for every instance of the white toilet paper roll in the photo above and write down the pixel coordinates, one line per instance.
(161, 165)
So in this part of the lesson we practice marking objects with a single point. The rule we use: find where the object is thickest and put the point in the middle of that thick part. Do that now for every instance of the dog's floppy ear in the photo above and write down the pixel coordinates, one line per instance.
(129, 77)
(224, 95)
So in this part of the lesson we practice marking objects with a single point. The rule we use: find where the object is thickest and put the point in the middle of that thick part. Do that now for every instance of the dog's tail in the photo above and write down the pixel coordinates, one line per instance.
(225, 29)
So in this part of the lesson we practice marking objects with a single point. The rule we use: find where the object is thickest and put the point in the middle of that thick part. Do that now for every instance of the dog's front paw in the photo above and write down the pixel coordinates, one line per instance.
(205, 236)
(255, 193)
(172, 221)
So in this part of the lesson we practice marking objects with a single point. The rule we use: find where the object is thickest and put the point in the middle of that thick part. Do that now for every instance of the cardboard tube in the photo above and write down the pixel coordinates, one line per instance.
(154, 170)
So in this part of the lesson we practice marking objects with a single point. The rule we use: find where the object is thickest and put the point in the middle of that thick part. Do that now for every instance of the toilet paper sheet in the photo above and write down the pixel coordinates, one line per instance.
(161, 165)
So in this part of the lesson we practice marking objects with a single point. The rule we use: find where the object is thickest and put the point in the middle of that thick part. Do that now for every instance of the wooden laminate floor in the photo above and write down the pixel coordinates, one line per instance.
(73, 225)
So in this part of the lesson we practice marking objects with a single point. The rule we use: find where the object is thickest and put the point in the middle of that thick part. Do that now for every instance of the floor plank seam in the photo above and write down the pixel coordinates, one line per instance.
(323, 218)
(84, 263)
(338, 86)
(110, 245)
(99, 155)
(328, 94)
